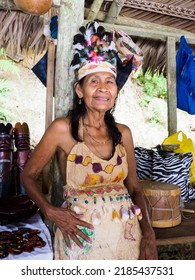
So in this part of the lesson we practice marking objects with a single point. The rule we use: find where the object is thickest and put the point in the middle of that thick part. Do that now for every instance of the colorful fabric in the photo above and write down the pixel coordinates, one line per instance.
(95, 188)
(185, 77)
(40, 68)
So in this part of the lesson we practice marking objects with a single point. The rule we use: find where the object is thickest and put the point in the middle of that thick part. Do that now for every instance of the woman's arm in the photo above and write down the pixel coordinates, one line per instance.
(56, 136)
(148, 244)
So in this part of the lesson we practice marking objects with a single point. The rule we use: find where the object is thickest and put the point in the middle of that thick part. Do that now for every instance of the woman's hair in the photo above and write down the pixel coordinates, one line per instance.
(78, 110)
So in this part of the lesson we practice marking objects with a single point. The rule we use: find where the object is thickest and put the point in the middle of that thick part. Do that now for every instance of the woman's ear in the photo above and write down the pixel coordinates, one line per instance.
(78, 90)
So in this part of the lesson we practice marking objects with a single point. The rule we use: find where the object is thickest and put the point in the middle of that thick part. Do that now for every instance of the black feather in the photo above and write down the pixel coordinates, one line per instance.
(101, 30)
(76, 60)
(82, 29)
(79, 38)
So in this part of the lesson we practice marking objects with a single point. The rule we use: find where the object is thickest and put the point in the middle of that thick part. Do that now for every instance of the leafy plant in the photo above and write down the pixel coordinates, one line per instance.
(6, 66)
(153, 85)
(155, 117)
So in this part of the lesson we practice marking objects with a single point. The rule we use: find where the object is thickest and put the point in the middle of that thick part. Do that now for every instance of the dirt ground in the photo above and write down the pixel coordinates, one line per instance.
(27, 102)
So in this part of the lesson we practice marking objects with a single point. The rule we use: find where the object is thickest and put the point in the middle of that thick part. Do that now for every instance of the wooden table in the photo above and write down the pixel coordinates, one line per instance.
(183, 233)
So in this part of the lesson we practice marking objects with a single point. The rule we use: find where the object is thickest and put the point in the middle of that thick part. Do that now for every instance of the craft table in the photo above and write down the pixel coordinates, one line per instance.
(182, 233)
(34, 222)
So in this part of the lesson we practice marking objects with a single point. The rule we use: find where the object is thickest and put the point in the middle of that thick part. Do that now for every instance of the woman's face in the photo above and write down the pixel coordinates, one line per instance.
(99, 91)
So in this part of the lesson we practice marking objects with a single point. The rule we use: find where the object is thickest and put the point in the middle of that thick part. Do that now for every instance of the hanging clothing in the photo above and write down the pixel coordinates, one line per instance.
(95, 188)
(185, 77)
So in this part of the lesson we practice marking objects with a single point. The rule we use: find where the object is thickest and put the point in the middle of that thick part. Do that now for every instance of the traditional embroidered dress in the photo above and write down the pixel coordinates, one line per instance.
(95, 188)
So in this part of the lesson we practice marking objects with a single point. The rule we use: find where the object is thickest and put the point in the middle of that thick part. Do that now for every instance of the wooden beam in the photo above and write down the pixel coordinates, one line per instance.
(171, 85)
(114, 11)
(145, 29)
(93, 11)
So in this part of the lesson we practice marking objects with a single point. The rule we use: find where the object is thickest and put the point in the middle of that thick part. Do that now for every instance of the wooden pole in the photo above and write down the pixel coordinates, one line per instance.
(49, 107)
(171, 85)
(71, 16)
(95, 7)
(50, 83)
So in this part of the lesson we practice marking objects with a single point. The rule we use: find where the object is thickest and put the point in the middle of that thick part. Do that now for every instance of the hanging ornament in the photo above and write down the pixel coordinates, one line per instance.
(124, 214)
(104, 205)
(136, 210)
(115, 216)
(139, 216)
(131, 214)
(79, 209)
(34, 7)
(95, 218)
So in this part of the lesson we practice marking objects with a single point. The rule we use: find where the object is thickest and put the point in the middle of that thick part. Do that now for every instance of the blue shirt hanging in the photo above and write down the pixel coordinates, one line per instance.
(185, 77)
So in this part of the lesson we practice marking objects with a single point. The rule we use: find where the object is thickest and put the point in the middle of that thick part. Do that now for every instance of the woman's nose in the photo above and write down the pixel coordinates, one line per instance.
(103, 87)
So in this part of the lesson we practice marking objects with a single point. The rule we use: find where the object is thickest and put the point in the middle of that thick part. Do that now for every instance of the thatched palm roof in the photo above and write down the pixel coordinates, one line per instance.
(19, 31)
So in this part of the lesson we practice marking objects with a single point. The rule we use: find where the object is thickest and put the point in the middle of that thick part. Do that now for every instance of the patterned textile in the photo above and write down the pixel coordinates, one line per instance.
(173, 168)
(169, 167)
(95, 188)
(144, 158)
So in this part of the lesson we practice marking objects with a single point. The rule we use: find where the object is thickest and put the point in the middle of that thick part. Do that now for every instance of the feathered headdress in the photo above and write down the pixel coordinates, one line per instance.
(95, 50)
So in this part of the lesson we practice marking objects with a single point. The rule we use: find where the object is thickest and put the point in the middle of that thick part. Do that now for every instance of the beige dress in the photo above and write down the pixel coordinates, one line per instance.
(95, 188)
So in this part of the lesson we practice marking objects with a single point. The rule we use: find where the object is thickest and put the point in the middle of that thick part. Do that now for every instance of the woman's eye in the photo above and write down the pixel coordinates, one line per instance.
(110, 82)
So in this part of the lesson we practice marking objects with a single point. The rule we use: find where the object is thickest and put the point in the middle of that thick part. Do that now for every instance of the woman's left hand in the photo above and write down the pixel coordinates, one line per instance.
(148, 250)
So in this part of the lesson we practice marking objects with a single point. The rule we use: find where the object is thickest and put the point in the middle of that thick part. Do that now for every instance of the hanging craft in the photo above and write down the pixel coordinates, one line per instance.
(124, 214)
(95, 217)
(34, 7)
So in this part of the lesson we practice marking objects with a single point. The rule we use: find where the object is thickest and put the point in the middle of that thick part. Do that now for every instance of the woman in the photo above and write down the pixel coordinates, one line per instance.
(100, 218)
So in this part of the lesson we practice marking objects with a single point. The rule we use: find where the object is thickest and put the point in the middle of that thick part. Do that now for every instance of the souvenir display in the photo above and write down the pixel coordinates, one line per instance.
(18, 241)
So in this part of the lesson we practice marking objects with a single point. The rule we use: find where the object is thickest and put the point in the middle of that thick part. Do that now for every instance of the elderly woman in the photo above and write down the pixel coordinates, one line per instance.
(104, 215)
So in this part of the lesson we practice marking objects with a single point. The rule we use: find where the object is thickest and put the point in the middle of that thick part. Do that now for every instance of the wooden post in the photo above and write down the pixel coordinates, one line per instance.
(71, 17)
(49, 107)
(114, 11)
(50, 83)
(95, 7)
(171, 85)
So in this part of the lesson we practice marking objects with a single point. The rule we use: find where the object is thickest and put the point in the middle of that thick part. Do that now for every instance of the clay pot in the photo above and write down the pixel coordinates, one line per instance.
(35, 7)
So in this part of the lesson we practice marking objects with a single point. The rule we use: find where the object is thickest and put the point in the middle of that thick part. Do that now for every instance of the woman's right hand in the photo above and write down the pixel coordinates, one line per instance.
(68, 222)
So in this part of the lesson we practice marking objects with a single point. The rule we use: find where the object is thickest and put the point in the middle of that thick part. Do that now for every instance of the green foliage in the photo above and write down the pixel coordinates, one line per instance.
(3, 117)
(7, 65)
(155, 117)
(5, 85)
(153, 85)
(7, 68)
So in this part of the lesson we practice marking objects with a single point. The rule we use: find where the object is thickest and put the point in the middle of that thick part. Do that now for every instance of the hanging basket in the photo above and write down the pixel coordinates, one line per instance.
(34, 7)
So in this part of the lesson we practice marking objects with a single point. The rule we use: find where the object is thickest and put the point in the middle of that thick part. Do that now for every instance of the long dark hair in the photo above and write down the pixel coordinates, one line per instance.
(78, 110)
